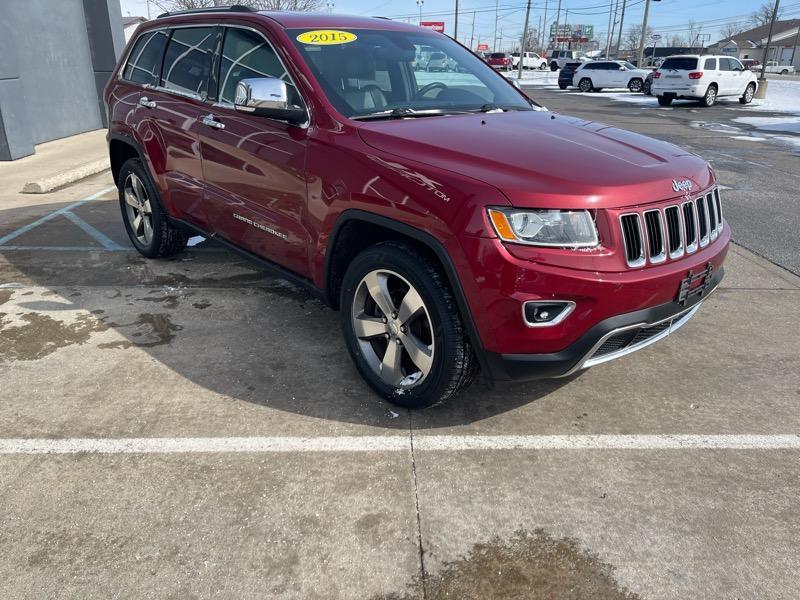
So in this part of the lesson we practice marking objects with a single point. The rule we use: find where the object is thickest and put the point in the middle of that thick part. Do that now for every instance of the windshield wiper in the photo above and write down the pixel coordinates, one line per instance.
(488, 108)
(405, 113)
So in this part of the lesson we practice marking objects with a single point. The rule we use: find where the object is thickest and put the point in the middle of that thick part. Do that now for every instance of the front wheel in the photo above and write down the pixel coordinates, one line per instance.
(749, 92)
(585, 85)
(403, 328)
(635, 85)
(146, 222)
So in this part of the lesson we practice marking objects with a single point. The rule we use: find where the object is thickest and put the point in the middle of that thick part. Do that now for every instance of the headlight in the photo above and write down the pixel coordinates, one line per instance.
(545, 227)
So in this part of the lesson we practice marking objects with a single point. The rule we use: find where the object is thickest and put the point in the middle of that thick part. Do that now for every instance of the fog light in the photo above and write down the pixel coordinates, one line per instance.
(546, 313)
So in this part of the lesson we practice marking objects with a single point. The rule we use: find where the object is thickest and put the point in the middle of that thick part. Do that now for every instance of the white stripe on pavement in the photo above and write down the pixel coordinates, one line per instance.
(394, 443)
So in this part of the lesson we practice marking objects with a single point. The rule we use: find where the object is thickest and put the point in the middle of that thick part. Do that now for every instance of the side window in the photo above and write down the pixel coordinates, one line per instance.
(187, 62)
(144, 60)
(735, 64)
(245, 54)
(710, 64)
(725, 64)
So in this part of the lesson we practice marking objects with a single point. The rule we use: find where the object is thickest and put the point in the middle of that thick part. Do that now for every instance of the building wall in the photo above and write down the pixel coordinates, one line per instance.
(54, 60)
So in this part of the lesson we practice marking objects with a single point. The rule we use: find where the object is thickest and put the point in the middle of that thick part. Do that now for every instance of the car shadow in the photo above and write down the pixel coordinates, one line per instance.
(209, 316)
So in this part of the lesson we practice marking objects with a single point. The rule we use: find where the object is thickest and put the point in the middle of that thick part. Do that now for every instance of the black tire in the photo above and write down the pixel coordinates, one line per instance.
(749, 92)
(562, 86)
(453, 363)
(554, 66)
(710, 97)
(646, 87)
(664, 100)
(585, 85)
(166, 239)
(785, 72)
(635, 85)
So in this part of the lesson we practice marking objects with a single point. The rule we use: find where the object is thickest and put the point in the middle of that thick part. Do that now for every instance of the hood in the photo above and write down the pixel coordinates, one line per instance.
(545, 160)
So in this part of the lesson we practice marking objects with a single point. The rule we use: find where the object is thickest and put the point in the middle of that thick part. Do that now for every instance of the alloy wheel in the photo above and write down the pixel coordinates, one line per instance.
(138, 209)
(393, 327)
(749, 93)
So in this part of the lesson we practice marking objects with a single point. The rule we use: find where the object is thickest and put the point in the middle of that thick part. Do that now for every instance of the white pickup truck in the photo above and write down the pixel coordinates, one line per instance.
(774, 67)
(530, 61)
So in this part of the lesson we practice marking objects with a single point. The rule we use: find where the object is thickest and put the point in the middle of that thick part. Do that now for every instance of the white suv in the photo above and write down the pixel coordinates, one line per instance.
(703, 78)
(530, 61)
(599, 74)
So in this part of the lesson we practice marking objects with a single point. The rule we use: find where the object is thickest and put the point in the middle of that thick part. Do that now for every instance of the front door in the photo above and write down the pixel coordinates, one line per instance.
(254, 167)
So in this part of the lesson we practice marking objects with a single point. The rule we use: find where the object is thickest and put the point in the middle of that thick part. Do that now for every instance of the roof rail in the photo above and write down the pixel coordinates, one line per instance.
(192, 11)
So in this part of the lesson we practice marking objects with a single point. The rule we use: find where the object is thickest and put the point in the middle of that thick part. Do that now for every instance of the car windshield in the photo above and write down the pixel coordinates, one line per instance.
(680, 63)
(384, 72)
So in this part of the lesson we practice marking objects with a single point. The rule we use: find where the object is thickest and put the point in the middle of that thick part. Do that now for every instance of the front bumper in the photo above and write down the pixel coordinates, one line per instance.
(611, 338)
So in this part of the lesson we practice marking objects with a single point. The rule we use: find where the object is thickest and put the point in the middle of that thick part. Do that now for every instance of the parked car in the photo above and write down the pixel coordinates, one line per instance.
(566, 73)
(447, 222)
(437, 61)
(774, 67)
(531, 61)
(704, 78)
(752, 64)
(558, 58)
(596, 75)
(502, 61)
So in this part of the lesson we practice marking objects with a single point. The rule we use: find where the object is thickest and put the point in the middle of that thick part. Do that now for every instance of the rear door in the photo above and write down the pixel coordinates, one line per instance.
(176, 106)
(254, 167)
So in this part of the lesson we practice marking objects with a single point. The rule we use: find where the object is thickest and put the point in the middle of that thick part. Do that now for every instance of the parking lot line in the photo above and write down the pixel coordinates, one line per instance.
(61, 211)
(395, 443)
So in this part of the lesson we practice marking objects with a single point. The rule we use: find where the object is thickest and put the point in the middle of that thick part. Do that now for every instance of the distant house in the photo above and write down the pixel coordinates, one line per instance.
(752, 43)
(130, 24)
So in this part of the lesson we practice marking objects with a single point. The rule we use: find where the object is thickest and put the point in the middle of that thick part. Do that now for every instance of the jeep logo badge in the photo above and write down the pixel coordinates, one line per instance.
(682, 186)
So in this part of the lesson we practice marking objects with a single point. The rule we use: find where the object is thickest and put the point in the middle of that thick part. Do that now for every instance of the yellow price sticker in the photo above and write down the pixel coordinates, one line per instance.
(326, 37)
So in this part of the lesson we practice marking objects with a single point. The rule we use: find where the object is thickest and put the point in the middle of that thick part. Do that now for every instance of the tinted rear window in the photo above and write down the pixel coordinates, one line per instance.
(498, 55)
(187, 63)
(144, 61)
(680, 63)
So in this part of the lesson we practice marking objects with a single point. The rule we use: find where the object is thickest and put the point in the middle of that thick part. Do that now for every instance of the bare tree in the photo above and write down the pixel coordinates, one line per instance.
(763, 15)
(676, 41)
(175, 5)
(730, 30)
(634, 36)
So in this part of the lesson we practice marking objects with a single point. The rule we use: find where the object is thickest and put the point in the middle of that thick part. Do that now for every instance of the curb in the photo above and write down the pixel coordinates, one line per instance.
(52, 182)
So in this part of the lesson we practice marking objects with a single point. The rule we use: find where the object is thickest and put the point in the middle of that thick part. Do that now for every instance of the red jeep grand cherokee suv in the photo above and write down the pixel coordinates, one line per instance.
(456, 225)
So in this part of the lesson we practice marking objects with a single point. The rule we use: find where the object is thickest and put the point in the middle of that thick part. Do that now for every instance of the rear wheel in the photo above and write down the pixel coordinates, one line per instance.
(554, 66)
(635, 85)
(710, 97)
(785, 72)
(402, 327)
(543, 66)
(646, 87)
(749, 92)
(585, 85)
(562, 86)
(146, 222)
(664, 100)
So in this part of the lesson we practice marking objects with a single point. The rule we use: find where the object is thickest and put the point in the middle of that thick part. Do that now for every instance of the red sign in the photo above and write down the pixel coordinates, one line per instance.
(435, 25)
(483, 46)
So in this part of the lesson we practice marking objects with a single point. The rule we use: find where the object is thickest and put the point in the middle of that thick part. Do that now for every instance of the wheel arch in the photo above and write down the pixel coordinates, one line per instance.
(356, 230)
(122, 148)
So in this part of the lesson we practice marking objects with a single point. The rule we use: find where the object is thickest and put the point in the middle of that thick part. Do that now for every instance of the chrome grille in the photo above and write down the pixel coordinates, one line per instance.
(657, 234)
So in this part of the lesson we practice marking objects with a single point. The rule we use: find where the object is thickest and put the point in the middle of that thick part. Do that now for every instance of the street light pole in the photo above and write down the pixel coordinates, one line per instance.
(558, 15)
(420, 3)
(608, 33)
(496, 6)
(524, 39)
(763, 77)
(543, 27)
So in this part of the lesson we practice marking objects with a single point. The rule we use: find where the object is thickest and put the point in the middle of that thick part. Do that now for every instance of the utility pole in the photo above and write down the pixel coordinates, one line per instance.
(542, 27)
(455, 27)
(621, 21)
(524, 39)
(148, 10)
(608, 32)
(796, 41)
(566, 24)
(558, 15)
(496, 6)
(472, 35)
(542, 50)
(614, 22)
(644, 32)
(762, 80)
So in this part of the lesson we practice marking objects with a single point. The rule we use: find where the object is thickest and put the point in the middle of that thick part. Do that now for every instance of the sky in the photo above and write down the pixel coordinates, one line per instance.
(667, 17)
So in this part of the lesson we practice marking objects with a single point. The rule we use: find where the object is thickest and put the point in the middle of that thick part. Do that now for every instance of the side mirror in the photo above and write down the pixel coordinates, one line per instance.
(267, 97)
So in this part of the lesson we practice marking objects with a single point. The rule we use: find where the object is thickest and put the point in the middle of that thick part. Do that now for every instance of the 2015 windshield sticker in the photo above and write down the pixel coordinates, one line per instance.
(326, 37)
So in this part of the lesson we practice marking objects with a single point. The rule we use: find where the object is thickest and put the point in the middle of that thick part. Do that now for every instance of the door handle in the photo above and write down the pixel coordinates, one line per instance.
(146, 102)
(212, 122)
